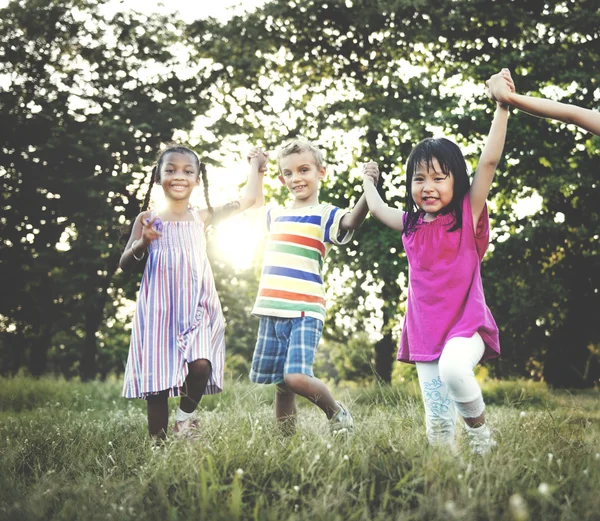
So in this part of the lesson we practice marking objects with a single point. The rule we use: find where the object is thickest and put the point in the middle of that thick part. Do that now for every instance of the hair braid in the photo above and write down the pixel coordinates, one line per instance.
(205, 186)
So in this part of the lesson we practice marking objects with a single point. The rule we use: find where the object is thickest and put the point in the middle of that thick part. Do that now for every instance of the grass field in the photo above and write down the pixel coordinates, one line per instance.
(78, 451)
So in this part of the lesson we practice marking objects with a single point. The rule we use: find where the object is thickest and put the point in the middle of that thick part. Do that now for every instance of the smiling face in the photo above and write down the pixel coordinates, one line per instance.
(432, 190)
(178, 175)
(300, 173)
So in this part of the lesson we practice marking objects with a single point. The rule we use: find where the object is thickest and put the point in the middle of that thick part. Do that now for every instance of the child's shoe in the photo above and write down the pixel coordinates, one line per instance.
(187, 429)
(342, 422)
(480, 439)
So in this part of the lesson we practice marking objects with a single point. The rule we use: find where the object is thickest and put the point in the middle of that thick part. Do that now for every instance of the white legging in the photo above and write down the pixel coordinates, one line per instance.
(448, 384)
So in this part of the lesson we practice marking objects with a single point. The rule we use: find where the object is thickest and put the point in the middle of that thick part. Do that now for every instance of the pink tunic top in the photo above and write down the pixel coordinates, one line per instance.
(445, 292)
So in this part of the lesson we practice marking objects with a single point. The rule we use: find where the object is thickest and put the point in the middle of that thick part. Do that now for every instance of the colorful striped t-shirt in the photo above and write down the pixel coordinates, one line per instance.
(291, 283)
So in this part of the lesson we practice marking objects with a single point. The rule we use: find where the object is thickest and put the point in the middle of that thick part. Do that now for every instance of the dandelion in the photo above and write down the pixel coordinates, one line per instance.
(522, 414)
(450, 507)
(346, 458)
(110, 444)
(239, 472)
(296, 488)
(518, 507)
(544, 489)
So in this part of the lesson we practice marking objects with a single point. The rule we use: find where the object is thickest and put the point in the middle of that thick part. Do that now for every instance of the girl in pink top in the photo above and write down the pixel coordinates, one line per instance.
(448, 327)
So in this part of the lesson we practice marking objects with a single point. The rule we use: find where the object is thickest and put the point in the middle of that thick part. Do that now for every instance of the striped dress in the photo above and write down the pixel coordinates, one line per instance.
(291, 283)
(178, 317)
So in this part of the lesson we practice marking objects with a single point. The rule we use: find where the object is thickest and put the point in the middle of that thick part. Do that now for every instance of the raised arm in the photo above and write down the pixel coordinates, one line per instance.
(389, 216)
(142, 234)
(542, 107)
(249, 195)
(353, 219)
(490, 157)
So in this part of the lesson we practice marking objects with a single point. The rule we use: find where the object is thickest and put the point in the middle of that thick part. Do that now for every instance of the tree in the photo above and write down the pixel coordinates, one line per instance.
(387, 73)
(90, 100)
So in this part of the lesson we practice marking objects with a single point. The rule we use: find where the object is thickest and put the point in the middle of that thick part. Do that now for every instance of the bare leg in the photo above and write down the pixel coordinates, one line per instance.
(285, 409)
(475, 422)
(158, 415)
(314, 390)
(195, 384)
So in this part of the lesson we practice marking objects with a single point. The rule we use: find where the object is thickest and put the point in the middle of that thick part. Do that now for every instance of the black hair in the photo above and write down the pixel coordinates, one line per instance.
(452, 162)
(180, 149)
(154, 177)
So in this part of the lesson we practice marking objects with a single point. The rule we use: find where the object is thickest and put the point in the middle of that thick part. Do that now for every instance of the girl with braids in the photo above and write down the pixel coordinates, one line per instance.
(177, 343)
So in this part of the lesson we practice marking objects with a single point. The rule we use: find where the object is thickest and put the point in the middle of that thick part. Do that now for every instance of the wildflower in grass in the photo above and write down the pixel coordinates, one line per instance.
(522, 414)
(544, 489)
(239, 472)
(317, 457)
(450, 507)
(296, 488)
(518, 507)
(346, 458)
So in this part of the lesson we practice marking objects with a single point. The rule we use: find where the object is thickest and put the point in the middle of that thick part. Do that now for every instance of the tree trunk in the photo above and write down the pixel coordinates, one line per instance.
(38, 354)
(384, 358)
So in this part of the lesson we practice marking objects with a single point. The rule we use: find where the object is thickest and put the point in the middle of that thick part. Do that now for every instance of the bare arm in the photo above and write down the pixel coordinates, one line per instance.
(389, 216)
(490, 157)
(355, 217)
(247, 200)
(142, 234)
(502, 90)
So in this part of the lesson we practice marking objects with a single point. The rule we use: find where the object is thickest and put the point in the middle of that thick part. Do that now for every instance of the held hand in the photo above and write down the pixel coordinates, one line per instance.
(257, 154)
(370, 172)
(499, 86)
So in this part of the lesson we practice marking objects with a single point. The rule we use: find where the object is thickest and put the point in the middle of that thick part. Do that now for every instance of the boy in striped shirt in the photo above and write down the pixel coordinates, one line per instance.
(291, 294)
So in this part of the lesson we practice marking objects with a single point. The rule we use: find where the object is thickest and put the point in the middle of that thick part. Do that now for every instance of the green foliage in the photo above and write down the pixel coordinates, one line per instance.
(388, 74)
(89, 457)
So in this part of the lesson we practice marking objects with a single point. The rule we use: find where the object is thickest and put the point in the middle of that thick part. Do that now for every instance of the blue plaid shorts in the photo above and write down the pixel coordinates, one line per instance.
(285, 346)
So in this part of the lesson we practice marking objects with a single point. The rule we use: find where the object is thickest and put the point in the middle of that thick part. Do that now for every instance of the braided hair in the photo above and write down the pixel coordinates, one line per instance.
(154, 178)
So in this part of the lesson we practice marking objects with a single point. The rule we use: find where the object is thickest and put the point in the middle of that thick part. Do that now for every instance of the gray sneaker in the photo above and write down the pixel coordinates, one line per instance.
(480, 439)
(342, 422)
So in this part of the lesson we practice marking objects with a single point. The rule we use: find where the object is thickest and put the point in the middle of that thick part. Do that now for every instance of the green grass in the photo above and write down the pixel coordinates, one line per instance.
(78, 451)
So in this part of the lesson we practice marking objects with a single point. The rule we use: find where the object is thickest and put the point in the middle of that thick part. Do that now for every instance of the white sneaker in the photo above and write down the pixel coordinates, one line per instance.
(480, 439)
(342, 422)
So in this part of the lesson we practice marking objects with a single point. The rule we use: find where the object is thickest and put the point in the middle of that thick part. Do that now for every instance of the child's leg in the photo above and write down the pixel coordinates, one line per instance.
(304, 338)
(459, 358)
(285, 408)
(158, 414)
(314, 390)
(440, 414)
(195, 384)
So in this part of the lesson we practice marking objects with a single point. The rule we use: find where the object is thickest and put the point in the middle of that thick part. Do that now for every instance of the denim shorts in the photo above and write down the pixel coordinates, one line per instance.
(285, 346)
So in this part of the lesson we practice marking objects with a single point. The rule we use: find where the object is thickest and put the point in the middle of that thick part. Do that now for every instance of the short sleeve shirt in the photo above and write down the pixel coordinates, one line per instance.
(291, 282)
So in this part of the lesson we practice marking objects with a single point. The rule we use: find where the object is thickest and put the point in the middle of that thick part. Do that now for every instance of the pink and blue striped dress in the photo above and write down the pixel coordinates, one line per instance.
(178, 317)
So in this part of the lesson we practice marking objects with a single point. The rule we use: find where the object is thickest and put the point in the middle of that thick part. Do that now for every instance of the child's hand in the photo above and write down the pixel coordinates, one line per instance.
(500, 85)
(370, 173)
(259, 155)
(151, 229)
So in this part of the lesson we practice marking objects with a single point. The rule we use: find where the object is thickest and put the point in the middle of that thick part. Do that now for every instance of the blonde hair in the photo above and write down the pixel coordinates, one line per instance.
(300, 145)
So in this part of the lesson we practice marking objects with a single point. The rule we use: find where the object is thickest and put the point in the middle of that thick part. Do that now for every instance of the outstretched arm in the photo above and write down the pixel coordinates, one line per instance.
(389, 216)
(249, 196)
(542, 107)
(490, 157)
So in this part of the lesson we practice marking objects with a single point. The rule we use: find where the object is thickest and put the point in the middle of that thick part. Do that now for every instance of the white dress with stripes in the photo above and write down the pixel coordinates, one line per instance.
(178, 316)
